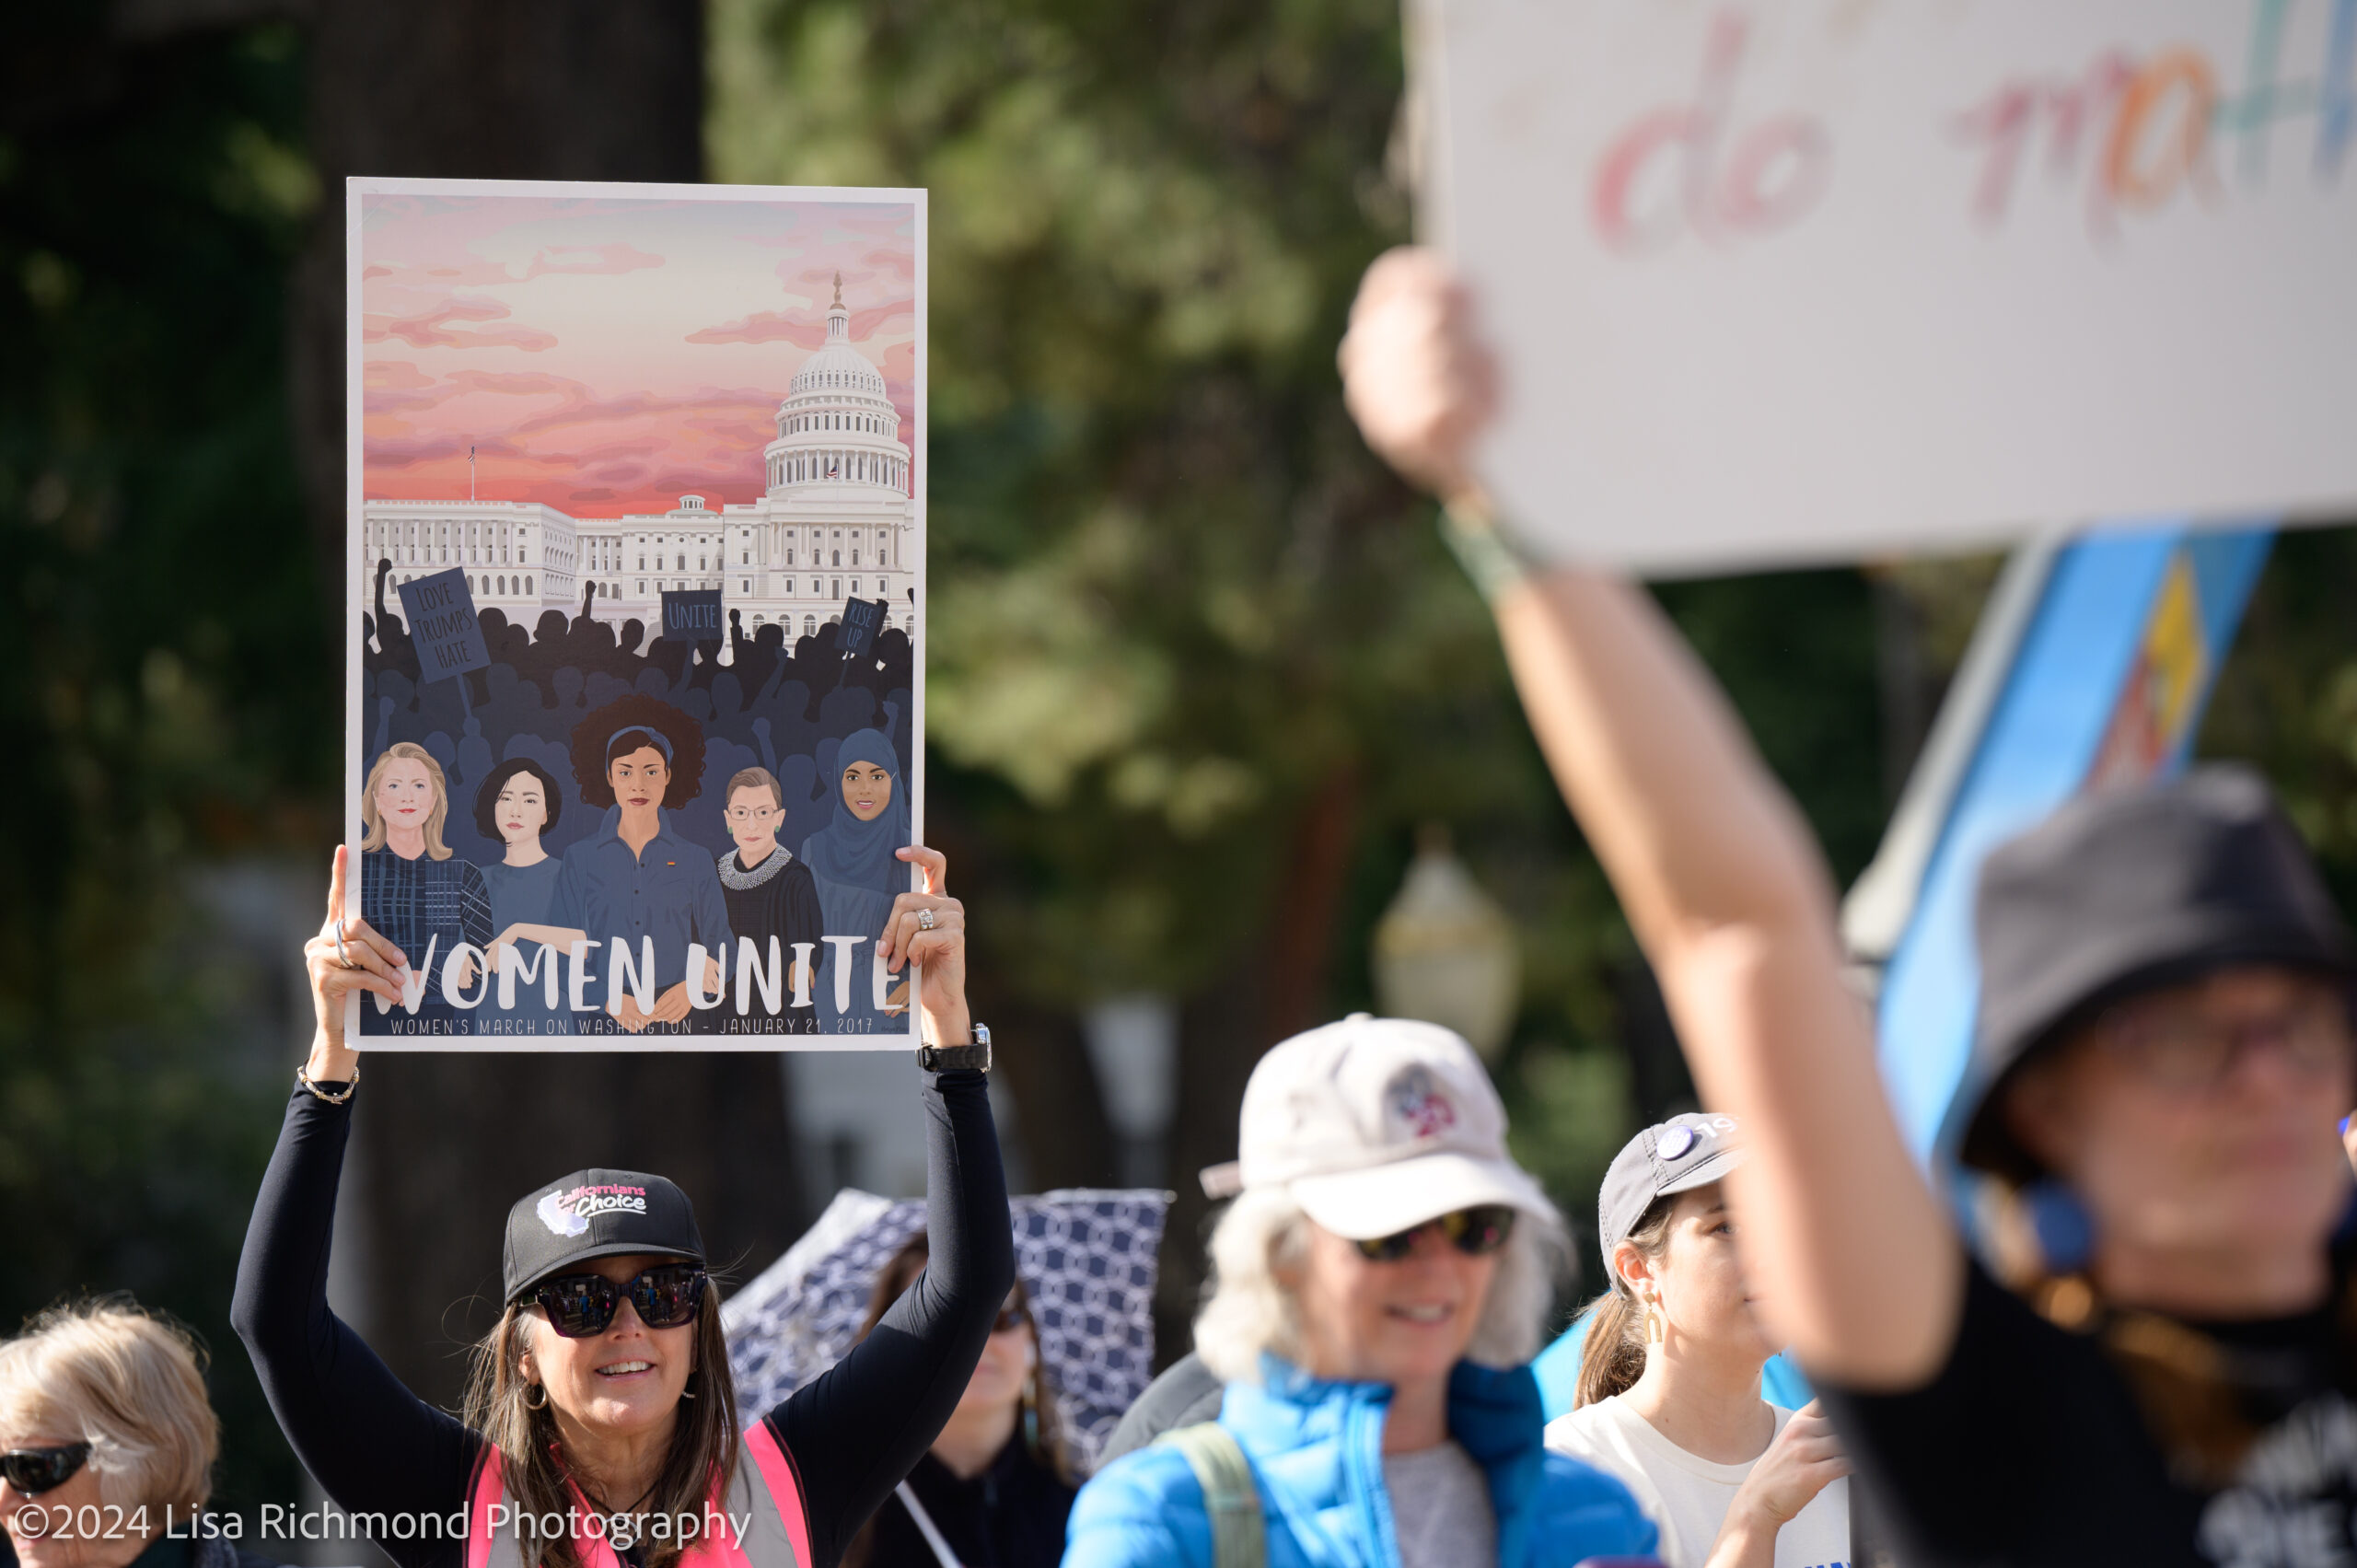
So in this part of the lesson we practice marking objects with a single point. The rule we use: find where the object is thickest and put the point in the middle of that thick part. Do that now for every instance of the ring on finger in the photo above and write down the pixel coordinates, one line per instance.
(342, 955)
(925, 920)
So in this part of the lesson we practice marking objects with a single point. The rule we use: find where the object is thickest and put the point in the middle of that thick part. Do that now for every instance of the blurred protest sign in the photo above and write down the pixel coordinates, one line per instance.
(2091, 668)
(1819, 280)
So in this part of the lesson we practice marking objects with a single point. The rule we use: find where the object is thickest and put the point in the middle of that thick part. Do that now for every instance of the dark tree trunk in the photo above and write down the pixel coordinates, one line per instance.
(523, 89)
(1276, 989)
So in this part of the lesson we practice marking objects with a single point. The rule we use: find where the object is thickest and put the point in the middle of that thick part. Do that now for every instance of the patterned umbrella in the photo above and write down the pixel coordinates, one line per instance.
(1086, 1257)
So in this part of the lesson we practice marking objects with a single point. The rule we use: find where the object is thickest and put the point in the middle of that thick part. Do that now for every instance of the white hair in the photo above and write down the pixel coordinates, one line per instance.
(128, 1383)
(1264, 1231)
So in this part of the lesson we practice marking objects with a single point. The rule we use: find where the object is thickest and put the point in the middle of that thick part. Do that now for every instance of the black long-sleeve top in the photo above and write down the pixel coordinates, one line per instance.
(852, 1435)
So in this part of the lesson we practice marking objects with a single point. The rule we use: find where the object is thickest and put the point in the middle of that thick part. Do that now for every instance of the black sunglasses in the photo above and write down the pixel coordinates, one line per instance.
(1471, 1231)
(581, 1305)
(35, 1471)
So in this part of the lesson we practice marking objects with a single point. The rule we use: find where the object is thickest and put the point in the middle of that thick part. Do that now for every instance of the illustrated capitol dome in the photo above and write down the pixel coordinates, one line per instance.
(838, 423)
(835, 521)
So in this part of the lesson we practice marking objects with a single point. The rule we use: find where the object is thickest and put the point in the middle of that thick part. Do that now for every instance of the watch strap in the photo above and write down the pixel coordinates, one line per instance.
(943, 1058)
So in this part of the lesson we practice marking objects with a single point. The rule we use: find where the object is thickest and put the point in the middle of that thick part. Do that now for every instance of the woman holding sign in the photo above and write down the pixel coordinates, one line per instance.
(2156, 1363)
(602, 1424)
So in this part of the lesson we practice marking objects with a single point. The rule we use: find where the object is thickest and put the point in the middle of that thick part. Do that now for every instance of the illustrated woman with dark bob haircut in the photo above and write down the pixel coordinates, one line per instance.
(634, 879)
(600, 1425)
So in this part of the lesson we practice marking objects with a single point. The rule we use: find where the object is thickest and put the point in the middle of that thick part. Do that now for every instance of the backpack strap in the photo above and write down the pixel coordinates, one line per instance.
(1239, 1536)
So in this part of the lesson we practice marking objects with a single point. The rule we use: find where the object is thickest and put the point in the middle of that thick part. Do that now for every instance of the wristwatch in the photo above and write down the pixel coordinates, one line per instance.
(941, 1058)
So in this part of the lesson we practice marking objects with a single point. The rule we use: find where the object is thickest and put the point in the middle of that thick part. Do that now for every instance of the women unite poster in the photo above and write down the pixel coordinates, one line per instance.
(635, 705)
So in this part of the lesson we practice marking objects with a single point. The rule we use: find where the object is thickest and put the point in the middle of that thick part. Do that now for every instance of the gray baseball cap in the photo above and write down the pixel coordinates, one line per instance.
(1677, 1155)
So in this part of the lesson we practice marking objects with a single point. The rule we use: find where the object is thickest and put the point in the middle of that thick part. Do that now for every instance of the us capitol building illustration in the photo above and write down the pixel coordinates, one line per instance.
(833, 524)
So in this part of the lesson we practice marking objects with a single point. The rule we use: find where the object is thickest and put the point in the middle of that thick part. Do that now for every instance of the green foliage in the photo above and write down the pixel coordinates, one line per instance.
(1173, 595)
(2286, 698)
(1176, 603)
(161, 631)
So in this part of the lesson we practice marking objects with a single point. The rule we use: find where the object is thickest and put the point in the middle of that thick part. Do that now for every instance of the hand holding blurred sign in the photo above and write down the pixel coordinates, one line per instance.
(440, 611)
(1811, 280)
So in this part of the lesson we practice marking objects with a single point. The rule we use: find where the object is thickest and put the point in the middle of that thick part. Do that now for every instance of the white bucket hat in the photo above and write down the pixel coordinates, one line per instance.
(1376, 1126)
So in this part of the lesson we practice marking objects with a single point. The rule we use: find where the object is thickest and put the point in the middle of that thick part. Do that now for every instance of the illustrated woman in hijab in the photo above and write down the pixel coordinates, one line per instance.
(857, 874)
(636, 878)
(410, 882)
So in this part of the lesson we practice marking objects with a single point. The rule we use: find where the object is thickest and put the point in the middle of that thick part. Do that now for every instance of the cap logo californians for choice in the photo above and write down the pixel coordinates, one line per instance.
(567, 1212)
(1422, 1106)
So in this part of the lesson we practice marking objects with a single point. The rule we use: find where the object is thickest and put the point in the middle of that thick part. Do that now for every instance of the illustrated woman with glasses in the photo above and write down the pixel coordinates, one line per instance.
(1381, 1282)
(997, 1485)
(1669, 1389)
(107, 1444)
(773, 900)
(600, 1425)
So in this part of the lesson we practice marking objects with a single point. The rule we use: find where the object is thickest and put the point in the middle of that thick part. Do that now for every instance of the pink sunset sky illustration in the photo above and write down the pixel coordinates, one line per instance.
(606, 355)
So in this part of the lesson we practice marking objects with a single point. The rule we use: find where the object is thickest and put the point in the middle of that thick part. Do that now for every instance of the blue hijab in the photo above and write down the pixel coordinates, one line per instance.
(857, 853)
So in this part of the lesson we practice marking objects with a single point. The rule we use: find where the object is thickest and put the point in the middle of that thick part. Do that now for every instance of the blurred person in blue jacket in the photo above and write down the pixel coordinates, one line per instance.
(1381, 1282)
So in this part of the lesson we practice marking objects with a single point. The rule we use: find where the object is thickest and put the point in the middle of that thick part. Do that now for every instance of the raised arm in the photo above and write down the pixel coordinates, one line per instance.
(855, 1432)
(1716, 871)
(375, 1447)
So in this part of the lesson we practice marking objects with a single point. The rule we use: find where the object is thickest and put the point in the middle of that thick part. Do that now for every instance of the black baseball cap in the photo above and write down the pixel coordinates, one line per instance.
(594, 1213)
(1677, 1156)
(2128, 890)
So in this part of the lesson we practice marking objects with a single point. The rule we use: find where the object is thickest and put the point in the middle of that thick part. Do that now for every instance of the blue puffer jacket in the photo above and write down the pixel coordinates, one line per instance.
(1317, 1452)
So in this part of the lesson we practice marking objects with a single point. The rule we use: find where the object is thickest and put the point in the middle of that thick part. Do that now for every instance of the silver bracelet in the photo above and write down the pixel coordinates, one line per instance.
(302, 1076)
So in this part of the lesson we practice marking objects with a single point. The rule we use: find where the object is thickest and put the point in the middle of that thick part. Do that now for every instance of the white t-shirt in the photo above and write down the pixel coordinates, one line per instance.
(1688, 1497)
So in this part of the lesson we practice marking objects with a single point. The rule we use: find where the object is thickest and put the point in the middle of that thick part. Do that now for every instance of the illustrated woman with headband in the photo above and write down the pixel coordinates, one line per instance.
(634, 879)
(600, 1426)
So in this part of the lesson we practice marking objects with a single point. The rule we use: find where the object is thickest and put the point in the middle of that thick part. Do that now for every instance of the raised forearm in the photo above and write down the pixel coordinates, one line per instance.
(1733, 905)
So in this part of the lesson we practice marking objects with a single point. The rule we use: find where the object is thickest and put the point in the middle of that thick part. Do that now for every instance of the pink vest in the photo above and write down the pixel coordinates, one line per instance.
(764, 1499)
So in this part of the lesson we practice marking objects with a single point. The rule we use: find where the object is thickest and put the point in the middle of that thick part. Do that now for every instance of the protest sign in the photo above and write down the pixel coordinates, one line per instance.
(440, 610)
(691, 615)
(861, 617)
(626, 464)
(1810, 281)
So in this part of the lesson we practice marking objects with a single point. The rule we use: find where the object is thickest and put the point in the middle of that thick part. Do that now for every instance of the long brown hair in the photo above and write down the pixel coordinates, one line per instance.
(1041, 1429)
(1612, 1358)
(1038, 1428)
(703, 1441)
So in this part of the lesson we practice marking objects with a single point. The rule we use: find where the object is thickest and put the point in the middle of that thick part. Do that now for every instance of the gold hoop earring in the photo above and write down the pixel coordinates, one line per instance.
(1656, 1331)
(539, 1388)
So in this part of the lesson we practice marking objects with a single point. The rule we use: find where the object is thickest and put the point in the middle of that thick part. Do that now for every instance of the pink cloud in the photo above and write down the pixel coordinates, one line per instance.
(601, 260)
(900, 264)
(803, 332)
(764, 327)
(432, 329)
(518, 383)
(394, 375)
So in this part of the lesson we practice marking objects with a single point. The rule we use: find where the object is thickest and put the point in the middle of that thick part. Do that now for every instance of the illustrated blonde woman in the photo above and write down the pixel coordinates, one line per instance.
(412, 889)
